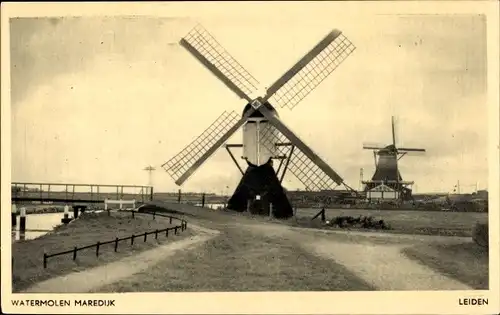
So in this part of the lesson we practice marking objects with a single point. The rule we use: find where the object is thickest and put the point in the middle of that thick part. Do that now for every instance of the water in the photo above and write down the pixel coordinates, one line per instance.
(213, 206)
(37, 225)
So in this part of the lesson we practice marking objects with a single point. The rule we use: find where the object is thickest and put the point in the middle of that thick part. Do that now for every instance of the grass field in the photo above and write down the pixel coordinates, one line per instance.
(407, 222)
(27, 267)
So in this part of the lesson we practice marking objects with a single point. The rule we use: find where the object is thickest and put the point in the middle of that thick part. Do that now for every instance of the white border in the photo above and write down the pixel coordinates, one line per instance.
(394, 302)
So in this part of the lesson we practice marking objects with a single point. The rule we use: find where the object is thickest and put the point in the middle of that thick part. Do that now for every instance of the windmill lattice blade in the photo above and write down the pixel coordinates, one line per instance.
(367, 147)
(207, 50)
(393, 132)
(181, 166)
(302, 167)
(310, 71)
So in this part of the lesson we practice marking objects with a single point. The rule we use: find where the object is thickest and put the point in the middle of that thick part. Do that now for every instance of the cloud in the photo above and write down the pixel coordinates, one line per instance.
(42, 48)
(96, 100)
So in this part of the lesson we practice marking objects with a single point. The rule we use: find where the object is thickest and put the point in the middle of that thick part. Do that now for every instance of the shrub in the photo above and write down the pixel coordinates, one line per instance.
(480, 234)
(365, 222)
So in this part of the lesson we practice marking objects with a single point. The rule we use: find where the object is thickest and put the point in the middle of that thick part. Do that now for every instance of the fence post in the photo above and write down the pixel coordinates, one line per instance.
(22, 220)
(175, 230)
(66, 218)
(156, 234)
(44, 260)
(170, 220)
(116, 244)
(106, 204)
(203, 200)
(132, 239)
(154, 214)
(97, 249)
(74, 253)
(166, 232)
(179, 197)
(145, 236)
(133, 216)
(185, 225)
(14, 215)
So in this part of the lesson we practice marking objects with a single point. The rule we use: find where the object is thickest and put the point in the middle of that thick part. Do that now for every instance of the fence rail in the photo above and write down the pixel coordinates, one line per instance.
(84, 193)
(97, 245)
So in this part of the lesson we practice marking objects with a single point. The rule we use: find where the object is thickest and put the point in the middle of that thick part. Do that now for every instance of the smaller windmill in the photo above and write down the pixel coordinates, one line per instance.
(387, 182)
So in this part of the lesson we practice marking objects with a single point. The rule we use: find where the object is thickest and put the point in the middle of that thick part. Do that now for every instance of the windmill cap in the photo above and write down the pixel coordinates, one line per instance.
(257, 113)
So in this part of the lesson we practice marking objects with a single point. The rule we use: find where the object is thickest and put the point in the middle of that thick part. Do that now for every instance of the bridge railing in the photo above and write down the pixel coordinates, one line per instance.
(78, 192)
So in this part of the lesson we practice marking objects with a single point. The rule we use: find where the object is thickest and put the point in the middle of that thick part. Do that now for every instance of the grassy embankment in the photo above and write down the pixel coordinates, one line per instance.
(27, 267)
(468, 263)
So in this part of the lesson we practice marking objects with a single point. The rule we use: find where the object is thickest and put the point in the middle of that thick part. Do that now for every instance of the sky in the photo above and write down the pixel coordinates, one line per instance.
(97, 99)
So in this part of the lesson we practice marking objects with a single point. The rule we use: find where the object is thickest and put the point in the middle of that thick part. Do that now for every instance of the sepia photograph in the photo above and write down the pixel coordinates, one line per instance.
(257, 148)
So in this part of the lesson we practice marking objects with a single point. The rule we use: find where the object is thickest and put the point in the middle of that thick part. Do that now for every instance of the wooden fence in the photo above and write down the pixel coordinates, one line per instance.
(97, 245)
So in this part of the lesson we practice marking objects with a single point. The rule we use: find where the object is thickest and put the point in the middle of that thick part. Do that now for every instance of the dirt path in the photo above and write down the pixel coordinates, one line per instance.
(377, 258)
(385, 267)
(85, 281)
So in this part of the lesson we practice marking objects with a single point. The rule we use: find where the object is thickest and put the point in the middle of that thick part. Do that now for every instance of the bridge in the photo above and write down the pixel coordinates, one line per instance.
(77, 193)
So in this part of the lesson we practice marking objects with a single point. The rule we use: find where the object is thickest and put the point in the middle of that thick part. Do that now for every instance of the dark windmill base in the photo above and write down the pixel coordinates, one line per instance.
(261, 181)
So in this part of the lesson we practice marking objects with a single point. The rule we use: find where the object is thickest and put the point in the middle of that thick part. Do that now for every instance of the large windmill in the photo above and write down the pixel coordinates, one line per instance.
(265, 136)
(386, 182)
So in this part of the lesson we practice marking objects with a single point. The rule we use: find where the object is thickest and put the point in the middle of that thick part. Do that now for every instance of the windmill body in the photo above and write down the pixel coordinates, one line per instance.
(387, 165)
(260, 187)
(387, 182)
(256, 137)
(266, 138)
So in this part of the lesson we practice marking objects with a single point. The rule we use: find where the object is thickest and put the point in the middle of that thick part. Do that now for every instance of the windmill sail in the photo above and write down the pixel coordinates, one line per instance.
(393, 133)
(186, 162)
(260, 180)
(201, 44)
(411, 150)
(304, 164)
(310, 71)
